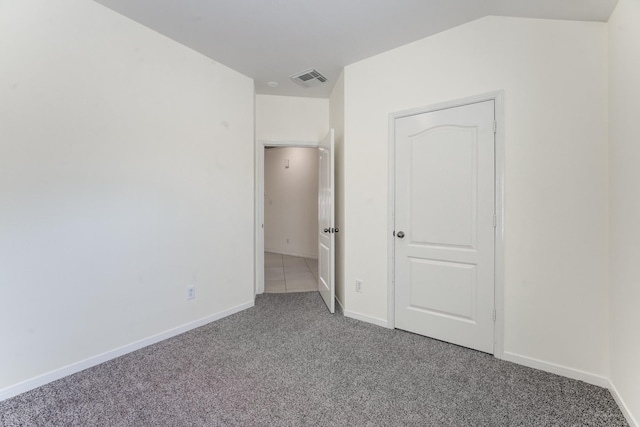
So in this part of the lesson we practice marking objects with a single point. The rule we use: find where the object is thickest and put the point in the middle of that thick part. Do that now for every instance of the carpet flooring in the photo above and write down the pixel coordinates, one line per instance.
(288, 362)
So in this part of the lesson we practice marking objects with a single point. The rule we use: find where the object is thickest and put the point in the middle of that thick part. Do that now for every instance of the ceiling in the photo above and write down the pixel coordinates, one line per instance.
(271, 40)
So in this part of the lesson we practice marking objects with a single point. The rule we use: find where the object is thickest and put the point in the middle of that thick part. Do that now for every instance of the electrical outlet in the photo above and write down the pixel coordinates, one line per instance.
(358, 285)
(191, 292)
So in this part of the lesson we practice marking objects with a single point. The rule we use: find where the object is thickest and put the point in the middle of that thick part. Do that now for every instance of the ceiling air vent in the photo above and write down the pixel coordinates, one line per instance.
(309, 78)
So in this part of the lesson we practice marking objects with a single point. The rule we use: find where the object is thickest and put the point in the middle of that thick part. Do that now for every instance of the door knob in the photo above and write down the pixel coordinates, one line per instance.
(400, 234)
(326, 230)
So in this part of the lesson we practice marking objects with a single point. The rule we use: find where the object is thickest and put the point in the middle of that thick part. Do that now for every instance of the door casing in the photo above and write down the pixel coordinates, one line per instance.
(258, 287)
(498, 97)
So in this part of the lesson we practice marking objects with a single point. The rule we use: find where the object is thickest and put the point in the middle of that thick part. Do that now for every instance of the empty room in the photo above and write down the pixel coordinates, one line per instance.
(476, 231)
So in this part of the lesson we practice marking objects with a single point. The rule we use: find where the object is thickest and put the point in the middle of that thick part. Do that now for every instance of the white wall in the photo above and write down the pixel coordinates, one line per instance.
(624, 110)
(287, 119)
(556, 239)
(290, 118)
(126, 174)
(336, 121)
(291, 201)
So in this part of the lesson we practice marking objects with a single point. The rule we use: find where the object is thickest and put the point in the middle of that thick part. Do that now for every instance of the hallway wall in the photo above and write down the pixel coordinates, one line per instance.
(291, 201)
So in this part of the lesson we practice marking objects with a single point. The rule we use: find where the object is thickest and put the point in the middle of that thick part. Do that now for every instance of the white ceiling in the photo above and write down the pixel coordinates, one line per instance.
(268, 40)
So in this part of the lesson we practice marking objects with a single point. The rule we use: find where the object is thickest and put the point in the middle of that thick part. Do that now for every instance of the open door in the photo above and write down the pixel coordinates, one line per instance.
(327, 230)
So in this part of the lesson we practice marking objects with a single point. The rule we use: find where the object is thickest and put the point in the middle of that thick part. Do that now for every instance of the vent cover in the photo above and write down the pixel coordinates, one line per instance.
(309, 78)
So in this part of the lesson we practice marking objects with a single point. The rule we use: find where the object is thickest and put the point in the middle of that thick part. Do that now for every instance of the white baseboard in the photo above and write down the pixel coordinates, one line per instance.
(365, 318)
(553, 368)
(623, 406)
(279, 252)
(73, 368)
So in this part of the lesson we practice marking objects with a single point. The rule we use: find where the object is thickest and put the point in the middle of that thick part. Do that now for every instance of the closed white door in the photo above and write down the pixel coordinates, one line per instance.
(327, 229)
(444, 224)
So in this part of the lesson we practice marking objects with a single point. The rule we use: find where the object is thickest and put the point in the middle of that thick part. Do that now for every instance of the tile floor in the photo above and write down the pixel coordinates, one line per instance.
(286, 273)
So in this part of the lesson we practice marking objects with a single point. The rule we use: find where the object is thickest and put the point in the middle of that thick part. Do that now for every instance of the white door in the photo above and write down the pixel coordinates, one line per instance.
(327, 230)
(444, 224)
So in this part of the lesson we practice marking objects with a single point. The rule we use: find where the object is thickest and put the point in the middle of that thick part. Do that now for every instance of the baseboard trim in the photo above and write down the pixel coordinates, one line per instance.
(279, 252)
(623, 407)
(73, 368)
(554, 368)
(365, 318)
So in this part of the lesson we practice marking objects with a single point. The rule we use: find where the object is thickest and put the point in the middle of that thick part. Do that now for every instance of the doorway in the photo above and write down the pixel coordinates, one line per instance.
(290, 219)
(325, 227)
(446, 204)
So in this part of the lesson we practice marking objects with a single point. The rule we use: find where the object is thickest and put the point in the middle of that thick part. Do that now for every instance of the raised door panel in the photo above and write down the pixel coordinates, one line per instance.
(444, 205)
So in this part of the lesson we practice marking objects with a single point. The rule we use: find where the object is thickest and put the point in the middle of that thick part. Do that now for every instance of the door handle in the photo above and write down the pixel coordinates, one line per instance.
(326, 230)
(331, 230)
(400, 234)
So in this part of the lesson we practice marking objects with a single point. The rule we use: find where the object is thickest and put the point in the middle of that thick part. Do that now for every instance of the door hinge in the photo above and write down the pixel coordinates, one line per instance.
(495, 315)
(495, 126)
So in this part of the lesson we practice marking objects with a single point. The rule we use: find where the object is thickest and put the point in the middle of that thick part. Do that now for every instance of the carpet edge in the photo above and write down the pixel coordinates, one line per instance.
(565, 371)
(73, 368)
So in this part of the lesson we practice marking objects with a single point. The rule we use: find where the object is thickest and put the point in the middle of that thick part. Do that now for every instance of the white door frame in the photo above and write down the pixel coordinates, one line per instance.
(498, 98)
(258, 287)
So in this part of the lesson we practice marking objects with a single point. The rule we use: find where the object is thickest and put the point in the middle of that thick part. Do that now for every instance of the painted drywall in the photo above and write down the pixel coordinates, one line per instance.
(336, 122)
(290, 118)
(624, 105)
(126, 175)
(284, 119)
(291, 201)
(553, 74)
